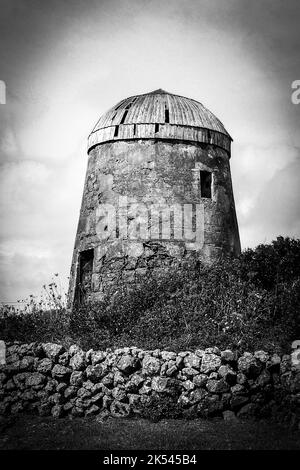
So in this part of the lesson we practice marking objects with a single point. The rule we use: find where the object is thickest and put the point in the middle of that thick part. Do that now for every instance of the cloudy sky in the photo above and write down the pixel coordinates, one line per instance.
(66, 62)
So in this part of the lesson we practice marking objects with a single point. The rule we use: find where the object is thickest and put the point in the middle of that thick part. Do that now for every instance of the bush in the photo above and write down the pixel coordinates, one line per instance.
(247, 303)
(46, 326)
(43, 319)
(271, 264)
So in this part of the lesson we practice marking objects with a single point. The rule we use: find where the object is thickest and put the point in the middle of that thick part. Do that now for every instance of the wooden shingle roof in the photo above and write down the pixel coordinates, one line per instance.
(160, 115)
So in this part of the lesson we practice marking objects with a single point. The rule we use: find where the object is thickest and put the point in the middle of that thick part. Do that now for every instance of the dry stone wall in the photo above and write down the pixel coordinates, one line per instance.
(50, 380)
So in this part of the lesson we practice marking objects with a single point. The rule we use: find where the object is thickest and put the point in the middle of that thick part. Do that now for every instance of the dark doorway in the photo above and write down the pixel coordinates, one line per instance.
(85, 271)
(205, 183)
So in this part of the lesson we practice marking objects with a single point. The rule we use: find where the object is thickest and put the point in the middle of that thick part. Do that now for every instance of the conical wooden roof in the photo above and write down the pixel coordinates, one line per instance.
(160, 115)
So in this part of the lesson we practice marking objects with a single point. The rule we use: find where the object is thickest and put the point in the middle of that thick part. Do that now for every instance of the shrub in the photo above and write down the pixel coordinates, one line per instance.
(271, 264)
(43, 319)
(51, 325)
(247, 303)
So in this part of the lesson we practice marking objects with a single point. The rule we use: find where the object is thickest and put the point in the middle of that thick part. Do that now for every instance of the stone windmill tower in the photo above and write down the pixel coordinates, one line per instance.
(157, 190)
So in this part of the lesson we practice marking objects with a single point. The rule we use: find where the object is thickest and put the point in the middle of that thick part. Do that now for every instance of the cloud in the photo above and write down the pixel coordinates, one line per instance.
(254, 167)
(275, 208)
(65, 63)
(39, 207)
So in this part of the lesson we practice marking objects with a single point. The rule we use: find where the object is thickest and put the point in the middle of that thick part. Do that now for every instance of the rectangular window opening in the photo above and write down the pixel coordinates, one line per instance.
(127, 107)
(116, 131)
(167, 117)
(205, 183)
(85, 271)
(156, 129)
(119, 105)
(130, 104)
(124, 116)
(134, 129)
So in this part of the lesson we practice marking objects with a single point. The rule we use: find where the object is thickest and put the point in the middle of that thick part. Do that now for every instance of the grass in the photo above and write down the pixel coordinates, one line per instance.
(247, 303)
(32, 433)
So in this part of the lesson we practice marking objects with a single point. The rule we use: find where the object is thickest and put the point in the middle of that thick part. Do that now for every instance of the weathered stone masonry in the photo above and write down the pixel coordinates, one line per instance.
(182, 161)
(50, 380)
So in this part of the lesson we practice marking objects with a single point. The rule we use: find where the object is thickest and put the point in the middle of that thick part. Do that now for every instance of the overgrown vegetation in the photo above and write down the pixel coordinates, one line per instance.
(248, 303)
(161, 406)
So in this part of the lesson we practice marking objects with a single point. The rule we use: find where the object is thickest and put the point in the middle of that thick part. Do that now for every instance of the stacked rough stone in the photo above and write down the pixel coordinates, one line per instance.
(47, 379)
